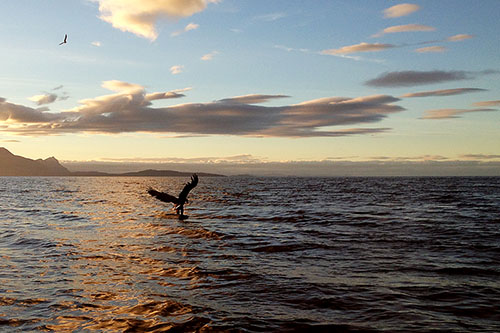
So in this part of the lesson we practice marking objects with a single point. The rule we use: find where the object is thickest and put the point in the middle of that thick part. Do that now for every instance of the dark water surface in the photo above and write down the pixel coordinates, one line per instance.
(256, 254)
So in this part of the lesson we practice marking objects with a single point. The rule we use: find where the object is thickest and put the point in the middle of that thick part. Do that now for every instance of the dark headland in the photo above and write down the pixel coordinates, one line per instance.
(13, 165)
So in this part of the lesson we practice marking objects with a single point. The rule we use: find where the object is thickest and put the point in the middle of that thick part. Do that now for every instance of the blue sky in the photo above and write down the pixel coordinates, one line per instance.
(322, 80)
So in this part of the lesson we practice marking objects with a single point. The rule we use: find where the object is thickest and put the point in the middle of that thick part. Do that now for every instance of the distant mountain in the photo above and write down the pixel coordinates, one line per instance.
(166, 173)
(144, 173)
(13, 165)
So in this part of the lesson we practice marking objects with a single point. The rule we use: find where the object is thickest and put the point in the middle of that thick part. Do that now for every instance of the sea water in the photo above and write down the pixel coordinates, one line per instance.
(255, 255)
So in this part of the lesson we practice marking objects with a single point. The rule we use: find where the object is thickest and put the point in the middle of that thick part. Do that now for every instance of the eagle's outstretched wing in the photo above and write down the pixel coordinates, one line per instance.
(165, 197)
(189, 186)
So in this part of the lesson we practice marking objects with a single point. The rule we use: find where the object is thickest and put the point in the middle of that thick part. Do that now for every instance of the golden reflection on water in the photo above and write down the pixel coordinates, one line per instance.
(122, 272)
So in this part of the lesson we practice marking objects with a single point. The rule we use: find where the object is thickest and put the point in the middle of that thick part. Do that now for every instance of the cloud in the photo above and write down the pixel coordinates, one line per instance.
(413, 78)
(451, 113)
(487, 103)
(130, 110)
(120, 86)
(209, 56)
(140, 16)
(291, 49)
(237, 159)
(251, 99)
(479, 157)
(176, 69)
(421, 158)
(460, 37)
(431, 49)
(270, 17)
(11, 141)
(362, 47)
(190, 26)
(404, 28)
(178, 93)
(400, 10)
(43, 99)
(14, 113)
(444, 92)
(96, 43)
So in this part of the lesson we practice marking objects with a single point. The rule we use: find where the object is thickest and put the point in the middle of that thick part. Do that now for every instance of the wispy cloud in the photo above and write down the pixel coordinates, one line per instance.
(130, 110)
(139, 17)
(362, 47)
(176, 69)
(404, 28)
(460, 37)
(487, 103)
(166, 95)
(418, 158)
(238, 159)
(270, 17)
(400, 10)
(292, 49)
(444, 92)
(251, 99)
(96, 43)
(451, 113)
(480, 156)
(189, 27)
(413, 78)
(209, 56)
(433, 49)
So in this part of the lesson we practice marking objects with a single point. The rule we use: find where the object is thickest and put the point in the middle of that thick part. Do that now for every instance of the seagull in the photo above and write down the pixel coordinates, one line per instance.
(65, 40)
(181, 200)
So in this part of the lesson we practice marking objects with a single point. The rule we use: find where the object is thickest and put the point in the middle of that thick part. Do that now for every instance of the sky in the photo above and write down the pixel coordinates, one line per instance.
(252, 82)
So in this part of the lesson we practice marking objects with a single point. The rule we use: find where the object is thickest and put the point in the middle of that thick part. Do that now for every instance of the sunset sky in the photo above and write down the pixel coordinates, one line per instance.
(251, 81)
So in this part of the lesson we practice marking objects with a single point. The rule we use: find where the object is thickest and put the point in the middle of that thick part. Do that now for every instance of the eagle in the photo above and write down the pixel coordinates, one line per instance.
(181, 200)
(65, 40)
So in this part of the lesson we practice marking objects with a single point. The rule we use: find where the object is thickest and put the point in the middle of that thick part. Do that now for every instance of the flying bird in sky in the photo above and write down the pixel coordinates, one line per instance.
(181, 200)
(65, 40)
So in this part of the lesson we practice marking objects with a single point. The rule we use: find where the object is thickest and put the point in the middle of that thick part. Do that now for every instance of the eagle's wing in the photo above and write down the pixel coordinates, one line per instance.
(65, 38)
(189, 186)
(165, 197)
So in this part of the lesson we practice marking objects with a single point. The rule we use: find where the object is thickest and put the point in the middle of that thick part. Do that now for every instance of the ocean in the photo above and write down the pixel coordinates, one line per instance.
(255, 255)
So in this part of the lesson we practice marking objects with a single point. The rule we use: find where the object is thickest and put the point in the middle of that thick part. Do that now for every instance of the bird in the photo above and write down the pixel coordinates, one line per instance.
(65, 40)
(179, 201)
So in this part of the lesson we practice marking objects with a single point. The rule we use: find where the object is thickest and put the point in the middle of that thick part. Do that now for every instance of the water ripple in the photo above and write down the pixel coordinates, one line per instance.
(255, 255)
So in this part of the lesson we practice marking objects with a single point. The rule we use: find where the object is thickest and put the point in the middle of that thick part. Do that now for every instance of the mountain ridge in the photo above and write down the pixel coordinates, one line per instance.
(14, 165)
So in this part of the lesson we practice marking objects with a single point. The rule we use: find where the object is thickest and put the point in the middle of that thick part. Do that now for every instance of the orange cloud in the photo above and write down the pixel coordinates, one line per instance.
(444, 92)
(431, 49)
(451, 113)
(209, 56)
(140, 16)
(190, 26)
(400, 10)
(43, 99)
(362, 47)
(459, 37)
(487, 103)
(404, 28)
